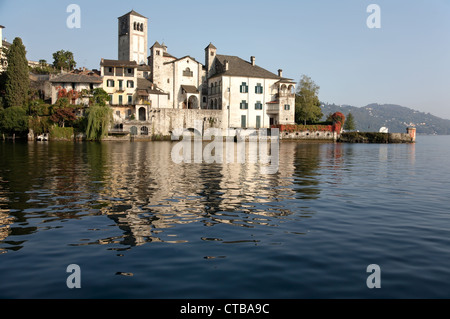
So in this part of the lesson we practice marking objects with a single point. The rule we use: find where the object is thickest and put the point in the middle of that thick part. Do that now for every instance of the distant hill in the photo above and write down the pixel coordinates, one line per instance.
(396, 118)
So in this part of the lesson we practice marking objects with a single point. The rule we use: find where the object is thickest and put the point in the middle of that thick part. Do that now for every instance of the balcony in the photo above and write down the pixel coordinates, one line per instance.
(273, 108)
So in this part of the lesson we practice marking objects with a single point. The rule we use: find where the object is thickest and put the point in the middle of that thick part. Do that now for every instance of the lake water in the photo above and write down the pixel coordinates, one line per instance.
(140, 226)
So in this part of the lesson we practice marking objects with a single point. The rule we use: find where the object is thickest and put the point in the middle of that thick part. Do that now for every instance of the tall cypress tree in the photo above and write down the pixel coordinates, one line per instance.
(17, 82)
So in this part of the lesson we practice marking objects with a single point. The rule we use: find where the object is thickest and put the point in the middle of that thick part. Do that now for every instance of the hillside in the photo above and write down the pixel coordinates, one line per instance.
(396, 118)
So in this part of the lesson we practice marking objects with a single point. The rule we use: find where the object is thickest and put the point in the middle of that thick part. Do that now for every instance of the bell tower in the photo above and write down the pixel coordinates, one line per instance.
(133, 37)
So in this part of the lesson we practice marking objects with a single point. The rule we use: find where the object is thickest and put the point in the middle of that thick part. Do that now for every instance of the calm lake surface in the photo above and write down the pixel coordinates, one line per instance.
(140, 226)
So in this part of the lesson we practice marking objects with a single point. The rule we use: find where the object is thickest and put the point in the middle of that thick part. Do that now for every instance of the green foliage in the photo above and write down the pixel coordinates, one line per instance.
(307, 103)
(98, 121)
(13, 120)
(65, 133)
(63, 115)
(364, 137)
(100, 97)
(40, 124)
(350, 123)
(17, 82)
(63, 59)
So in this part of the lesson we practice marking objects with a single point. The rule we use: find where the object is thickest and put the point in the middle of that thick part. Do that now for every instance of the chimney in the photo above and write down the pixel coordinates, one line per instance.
(252, 59)
(280, 73)
(227, 65)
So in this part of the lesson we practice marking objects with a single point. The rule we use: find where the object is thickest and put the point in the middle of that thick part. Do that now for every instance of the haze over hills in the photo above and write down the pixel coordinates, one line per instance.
(396, 118)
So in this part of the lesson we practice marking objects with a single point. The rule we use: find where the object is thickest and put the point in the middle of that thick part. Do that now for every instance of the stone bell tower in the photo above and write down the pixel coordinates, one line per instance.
(133, 37)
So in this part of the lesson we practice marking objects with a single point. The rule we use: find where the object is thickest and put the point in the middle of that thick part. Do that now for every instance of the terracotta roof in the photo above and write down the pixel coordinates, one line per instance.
(146, 85)
(190, 89)
(76, 78)
(124, 63)
(6, 43)
(144, 67)
(133, 13)
(240, 67)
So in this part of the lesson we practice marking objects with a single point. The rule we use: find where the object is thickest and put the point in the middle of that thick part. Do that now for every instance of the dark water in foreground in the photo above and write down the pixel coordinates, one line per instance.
(225, 231)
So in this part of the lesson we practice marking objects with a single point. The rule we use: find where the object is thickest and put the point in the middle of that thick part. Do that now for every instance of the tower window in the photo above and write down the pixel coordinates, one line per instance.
(157, 52)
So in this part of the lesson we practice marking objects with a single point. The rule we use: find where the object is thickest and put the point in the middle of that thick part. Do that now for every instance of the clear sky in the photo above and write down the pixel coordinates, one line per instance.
(406, 61)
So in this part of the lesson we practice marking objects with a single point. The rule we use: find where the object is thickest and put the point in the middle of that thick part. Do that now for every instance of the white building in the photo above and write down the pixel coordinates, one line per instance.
(236, 93)
(251, 96)
(3, 44)
(75, 83)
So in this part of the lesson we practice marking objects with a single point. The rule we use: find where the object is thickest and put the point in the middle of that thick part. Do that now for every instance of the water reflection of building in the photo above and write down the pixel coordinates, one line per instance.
(146, 194)
(5, 219)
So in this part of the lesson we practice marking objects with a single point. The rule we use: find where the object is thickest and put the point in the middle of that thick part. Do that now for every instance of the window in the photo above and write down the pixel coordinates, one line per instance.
(120, 84)
(110, 70)
(118, 113)
(110, 99)
(130, 71)
(287, 107)
(129, 113)
(157, 52)
(130, 84)
(130, 99)
(110, 83)
(188, 72)
(244, 88)
(258, 89)
(243, 121)
(244, 105)
(74, 86)
(258, 121)
(120, 99)
(258, 105)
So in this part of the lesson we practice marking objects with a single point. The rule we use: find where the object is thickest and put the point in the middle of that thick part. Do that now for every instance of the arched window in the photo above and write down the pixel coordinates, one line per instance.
(142, 27)
(211, 104)
(215, 104)
(134, 26)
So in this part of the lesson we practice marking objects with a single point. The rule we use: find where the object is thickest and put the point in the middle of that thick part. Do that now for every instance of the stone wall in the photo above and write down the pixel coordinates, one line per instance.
(163, 122)
(309, 135)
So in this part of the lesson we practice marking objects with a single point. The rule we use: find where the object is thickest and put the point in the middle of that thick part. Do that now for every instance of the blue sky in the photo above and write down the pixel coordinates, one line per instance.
(406, 61)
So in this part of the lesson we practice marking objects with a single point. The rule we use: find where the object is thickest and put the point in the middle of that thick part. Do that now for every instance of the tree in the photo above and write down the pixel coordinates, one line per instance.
(17, 81)
(99, 118)
(350, 123)
(13, 120)
(99, 97)
(63, 115)
(307, 103)
(63, 59)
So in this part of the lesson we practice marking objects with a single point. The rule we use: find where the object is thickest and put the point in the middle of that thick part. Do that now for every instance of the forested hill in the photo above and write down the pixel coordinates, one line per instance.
(396, 118)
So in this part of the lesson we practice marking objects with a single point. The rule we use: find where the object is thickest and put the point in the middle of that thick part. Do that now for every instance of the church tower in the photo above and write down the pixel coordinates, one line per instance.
(133, 37)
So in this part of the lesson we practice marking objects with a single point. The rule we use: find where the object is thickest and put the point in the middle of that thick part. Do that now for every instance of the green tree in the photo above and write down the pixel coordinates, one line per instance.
(17, 81)
(99, 118)
(350, 123)
(13, 120)
(307, 103)
(99, 97)
(63, 59)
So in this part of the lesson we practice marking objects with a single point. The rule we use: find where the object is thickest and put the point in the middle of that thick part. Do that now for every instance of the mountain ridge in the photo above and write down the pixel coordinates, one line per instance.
(396, 118)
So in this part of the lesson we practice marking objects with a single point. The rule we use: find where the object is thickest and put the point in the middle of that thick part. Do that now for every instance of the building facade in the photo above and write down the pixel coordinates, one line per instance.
(133, 37)
(73, 84)
(236, 93)
(3, 45)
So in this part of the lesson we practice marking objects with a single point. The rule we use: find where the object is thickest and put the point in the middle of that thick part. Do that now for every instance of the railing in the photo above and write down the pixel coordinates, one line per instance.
(273, 108)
